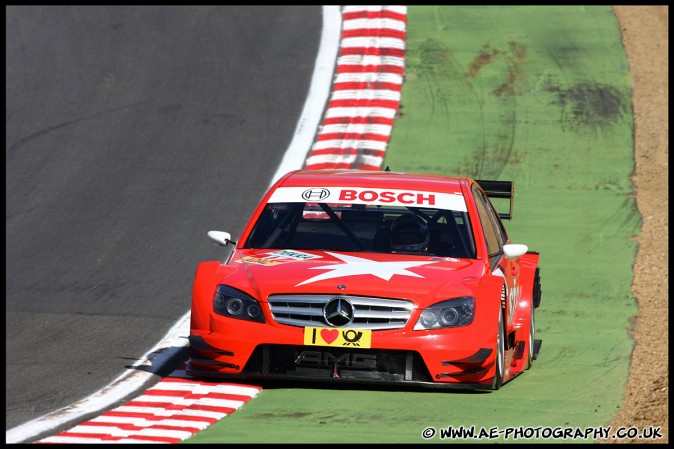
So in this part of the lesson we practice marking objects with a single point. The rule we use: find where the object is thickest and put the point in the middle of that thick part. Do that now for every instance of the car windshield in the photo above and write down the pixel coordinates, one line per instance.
(363, 228)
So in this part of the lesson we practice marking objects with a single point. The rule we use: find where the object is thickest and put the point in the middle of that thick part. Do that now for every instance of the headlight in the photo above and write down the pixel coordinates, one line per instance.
(451, 313)
(234, 303)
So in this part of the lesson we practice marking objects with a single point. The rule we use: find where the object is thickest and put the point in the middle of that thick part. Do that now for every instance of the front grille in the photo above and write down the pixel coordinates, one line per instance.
(368, 313)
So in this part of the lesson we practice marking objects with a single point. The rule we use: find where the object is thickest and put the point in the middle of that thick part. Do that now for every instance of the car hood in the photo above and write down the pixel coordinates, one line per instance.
(423, 279)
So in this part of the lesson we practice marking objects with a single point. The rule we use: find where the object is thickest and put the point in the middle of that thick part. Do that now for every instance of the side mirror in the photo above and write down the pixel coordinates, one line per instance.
(220, 238)
(513, 250)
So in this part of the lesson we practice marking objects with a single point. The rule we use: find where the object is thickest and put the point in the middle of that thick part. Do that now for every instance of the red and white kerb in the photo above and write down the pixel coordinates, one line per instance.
(366, 90)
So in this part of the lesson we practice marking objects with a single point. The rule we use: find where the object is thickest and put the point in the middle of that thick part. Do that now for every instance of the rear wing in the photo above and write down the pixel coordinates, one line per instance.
(499, 189)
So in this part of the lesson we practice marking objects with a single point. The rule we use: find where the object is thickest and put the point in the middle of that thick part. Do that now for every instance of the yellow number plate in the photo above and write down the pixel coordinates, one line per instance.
(349, 338)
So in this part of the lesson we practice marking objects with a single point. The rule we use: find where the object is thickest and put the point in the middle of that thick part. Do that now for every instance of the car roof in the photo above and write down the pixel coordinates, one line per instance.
(373, 179)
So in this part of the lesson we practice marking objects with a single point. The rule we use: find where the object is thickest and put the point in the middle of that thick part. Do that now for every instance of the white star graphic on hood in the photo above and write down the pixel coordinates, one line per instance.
(359, 265)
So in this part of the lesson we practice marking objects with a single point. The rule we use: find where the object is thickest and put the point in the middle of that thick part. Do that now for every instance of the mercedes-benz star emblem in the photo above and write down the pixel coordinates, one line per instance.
(338, 312)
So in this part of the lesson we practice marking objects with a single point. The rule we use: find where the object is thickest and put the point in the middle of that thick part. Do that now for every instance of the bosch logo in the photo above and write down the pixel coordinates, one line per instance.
(338, 312)
(315, 194)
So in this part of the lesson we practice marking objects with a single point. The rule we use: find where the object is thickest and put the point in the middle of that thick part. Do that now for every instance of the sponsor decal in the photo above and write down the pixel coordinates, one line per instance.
(292, 254)
(446, 259)
(279, 257)
(315, 194)
(258, 260)
(388, 197)
(512, 294)
(349, 338)
(363, 195)
(512, 301)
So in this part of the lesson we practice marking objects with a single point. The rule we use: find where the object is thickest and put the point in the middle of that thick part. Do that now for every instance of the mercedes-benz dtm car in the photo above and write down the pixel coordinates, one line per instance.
(370, 277)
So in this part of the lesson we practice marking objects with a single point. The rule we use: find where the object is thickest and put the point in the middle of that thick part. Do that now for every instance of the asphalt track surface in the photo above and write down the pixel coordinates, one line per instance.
(131, 131)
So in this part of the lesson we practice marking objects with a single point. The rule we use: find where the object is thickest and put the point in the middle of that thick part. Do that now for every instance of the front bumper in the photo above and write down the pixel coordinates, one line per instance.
(326, 376)
(445, 358)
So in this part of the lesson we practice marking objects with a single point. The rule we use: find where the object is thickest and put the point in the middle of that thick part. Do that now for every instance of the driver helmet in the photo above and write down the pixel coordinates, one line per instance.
(409, 233)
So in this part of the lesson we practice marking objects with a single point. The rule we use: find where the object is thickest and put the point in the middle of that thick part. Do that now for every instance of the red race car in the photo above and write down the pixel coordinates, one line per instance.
(369, 277)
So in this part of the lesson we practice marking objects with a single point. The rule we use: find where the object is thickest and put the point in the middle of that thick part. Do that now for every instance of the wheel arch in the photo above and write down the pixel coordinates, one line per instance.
(203, 292)
(527, 304)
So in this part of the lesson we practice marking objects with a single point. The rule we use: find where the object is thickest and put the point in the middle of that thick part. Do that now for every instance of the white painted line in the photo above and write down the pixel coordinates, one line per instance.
(176, 339)
(119, 389)
(319, 92)
(117, 427)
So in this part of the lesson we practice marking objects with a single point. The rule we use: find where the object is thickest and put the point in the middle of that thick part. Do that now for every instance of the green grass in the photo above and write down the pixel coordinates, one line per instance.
(540, 96)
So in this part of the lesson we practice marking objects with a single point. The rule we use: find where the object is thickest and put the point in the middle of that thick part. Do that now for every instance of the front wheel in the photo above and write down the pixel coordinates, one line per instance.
(532, 330)
(500, 354)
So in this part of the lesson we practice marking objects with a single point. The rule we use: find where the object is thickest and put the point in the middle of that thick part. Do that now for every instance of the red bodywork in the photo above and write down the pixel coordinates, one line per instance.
(464, 356)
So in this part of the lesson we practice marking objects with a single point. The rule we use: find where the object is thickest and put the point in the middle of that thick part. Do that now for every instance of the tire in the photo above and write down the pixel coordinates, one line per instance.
(532, 332)
(537, 288)
(500, 355)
